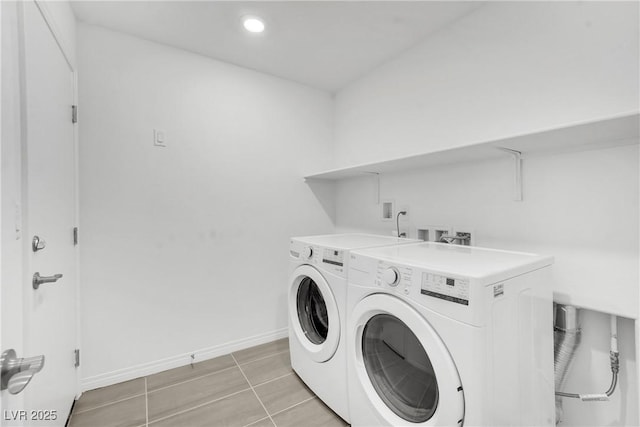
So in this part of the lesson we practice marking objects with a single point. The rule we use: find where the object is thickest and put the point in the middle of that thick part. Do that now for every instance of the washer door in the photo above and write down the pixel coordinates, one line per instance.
(313, 313)
(403, 366)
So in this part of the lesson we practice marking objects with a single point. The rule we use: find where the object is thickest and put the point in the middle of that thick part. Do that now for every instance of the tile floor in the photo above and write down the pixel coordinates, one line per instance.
(252, 387)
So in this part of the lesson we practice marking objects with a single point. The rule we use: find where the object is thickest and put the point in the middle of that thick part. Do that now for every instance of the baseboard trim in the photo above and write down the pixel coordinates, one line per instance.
(120, 375)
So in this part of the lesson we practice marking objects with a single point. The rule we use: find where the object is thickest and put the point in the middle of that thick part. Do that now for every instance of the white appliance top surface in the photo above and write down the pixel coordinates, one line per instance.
(351, 241)
(461, 260)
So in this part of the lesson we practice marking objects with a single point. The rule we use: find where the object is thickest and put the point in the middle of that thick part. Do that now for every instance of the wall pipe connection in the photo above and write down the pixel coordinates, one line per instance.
(566, 340)
(398, 224)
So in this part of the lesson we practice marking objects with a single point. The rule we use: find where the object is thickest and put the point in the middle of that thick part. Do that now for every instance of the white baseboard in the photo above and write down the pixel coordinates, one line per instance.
(120, 375)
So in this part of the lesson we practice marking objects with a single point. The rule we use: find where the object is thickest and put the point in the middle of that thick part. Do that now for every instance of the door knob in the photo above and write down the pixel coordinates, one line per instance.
(38, 244)
(39, 280)
(16, 372)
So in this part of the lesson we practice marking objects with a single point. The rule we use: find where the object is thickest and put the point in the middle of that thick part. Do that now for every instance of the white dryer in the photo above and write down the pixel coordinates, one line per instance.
(317, 299)
(448, 335)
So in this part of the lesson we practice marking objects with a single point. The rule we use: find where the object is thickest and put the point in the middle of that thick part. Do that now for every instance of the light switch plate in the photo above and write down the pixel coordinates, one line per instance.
(159, 138)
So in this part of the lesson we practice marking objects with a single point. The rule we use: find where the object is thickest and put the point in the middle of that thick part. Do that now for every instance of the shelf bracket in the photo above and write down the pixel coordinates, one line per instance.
(377, 176)
(517, 172)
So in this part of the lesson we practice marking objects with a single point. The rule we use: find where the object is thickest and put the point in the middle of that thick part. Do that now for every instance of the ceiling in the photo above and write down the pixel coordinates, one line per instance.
(324, 44)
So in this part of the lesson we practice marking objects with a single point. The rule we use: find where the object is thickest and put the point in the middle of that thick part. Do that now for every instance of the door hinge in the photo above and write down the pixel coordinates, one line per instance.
(74, 114)
(77, 355)
(75, 235)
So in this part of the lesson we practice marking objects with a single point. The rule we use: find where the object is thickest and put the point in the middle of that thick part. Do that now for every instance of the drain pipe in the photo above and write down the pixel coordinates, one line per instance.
(566, 339)
(567, 335)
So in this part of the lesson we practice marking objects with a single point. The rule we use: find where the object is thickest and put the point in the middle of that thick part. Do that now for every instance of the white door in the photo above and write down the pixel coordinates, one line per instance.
(402, 366)
(11, 292)
(50, 213)
(313, 313)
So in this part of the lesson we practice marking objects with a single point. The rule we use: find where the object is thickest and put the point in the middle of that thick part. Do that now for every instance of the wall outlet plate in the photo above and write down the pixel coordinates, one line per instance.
(387, 210)
(432, 233)
(422, 234)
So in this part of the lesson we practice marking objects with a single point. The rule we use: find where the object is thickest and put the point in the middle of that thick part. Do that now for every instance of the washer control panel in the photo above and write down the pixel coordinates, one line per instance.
(306, 252)
(446, 288)
(389, 276)
(324, 257)
(333, 257)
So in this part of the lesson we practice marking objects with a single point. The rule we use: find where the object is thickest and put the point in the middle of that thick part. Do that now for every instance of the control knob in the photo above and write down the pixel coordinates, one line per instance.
(307, 252)
(391, 276)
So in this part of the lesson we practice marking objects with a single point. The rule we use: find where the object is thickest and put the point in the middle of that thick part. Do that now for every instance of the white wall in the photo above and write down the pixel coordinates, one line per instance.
(509, 68)
(185, 248)
(513, 68)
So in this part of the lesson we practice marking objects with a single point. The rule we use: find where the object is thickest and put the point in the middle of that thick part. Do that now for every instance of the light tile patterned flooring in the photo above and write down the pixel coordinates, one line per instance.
(252, 387)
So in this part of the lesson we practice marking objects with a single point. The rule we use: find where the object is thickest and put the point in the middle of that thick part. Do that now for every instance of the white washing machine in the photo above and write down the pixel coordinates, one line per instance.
(317, 300)
(448, 335)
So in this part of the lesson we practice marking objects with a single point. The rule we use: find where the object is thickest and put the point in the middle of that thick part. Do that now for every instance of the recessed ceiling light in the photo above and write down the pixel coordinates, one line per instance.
(253, 24)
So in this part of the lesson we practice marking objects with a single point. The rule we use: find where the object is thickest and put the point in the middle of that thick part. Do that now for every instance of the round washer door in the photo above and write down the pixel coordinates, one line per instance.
(403, 366)
(313, 313)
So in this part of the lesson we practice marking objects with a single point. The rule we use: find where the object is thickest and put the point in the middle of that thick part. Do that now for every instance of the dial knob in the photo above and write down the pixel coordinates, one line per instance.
(307, 252)
(391, 276)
